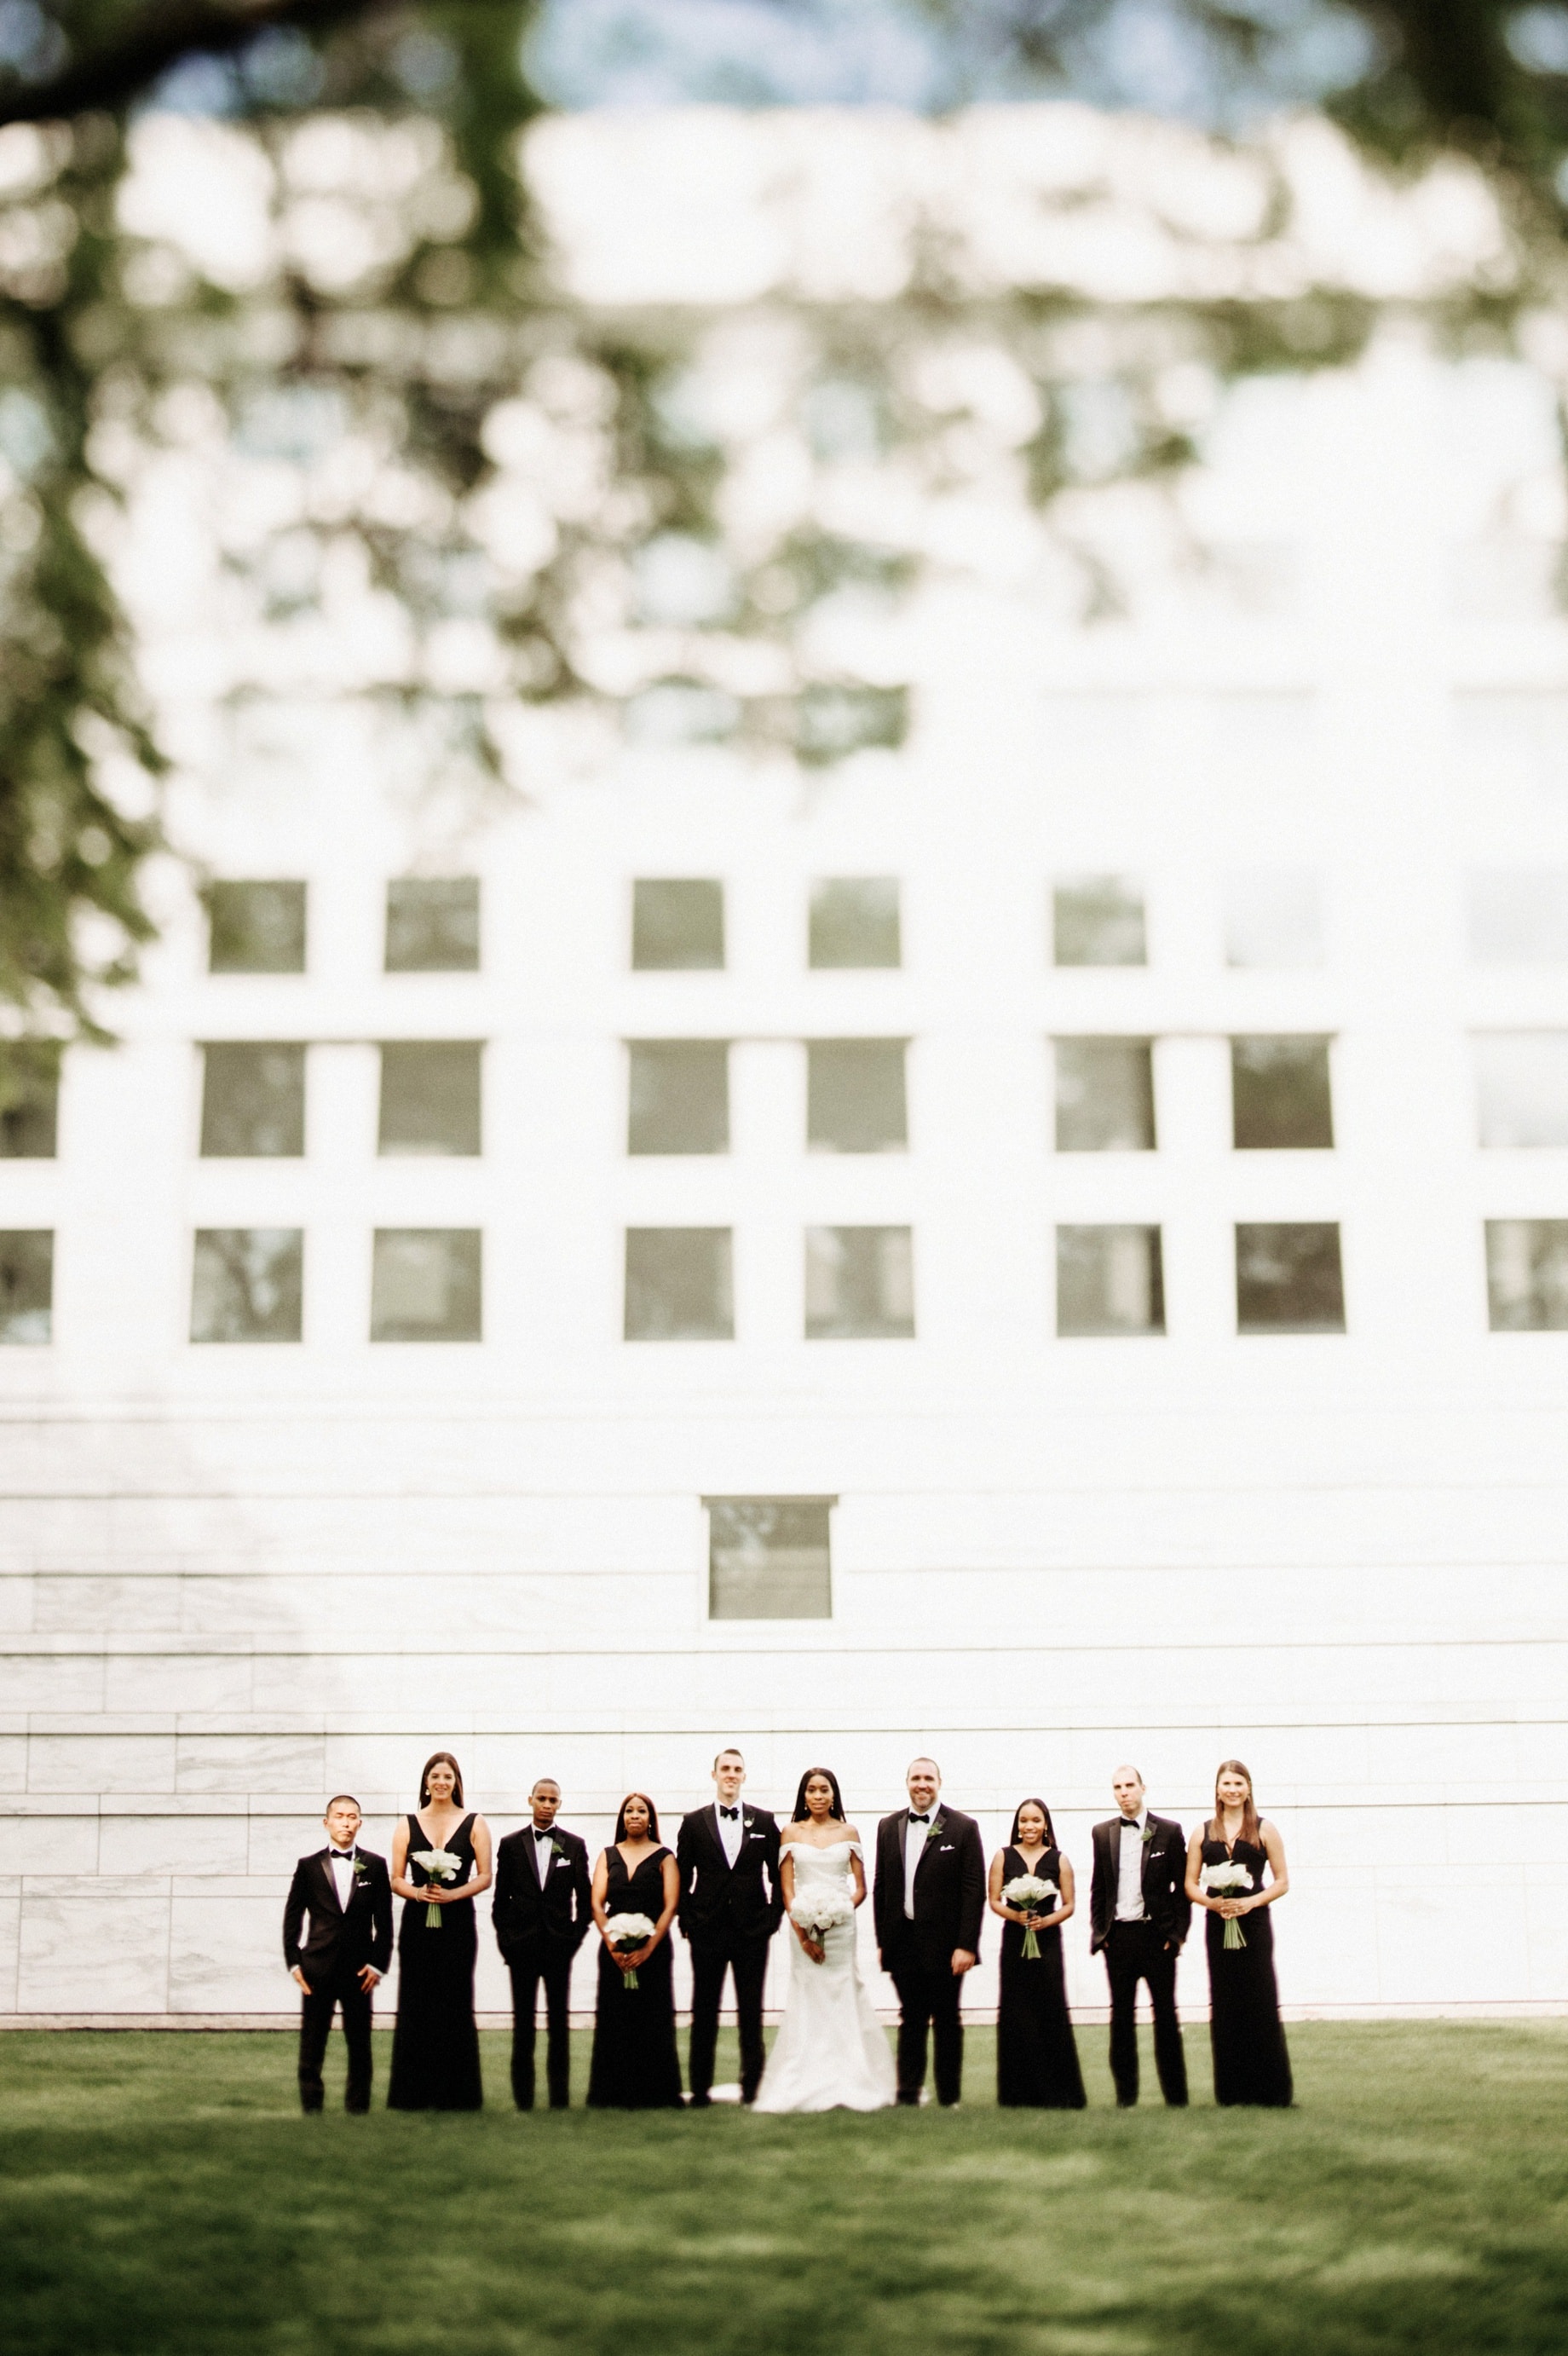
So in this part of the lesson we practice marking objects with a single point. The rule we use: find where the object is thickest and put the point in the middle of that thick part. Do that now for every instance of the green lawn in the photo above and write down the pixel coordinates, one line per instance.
(161, 2193)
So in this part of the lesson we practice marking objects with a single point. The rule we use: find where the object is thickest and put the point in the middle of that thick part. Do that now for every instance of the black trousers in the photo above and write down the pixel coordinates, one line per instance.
(929, 1999)
(315, 2027)
(711, 1957)
(553, 1966)
(1134, 1952)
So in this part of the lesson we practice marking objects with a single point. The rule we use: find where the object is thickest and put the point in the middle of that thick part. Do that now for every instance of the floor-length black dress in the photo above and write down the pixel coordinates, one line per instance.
(1037, 2053)
(635, 2066)
(435, 2046)
(1251, 2064)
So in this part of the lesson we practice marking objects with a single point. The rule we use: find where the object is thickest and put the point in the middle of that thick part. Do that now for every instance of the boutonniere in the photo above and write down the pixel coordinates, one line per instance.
(1148, 1834)
(938, 1824)
(361, 1872)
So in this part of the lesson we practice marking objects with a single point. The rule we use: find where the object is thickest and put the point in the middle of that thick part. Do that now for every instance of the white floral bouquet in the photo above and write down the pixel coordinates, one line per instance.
(818, 1911)
(1028, 1894)
(440, 1865)
(1228, 1880)
(626, 1934)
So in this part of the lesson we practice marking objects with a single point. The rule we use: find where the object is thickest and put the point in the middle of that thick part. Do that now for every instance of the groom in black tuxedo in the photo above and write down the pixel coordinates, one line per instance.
(542, 1912)
(1139, 1915)
(730, 1905)
(928, 1902)
(345, 1891)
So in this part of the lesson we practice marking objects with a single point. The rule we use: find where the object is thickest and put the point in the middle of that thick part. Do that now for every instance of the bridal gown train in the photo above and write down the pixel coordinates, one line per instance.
(831, 2052)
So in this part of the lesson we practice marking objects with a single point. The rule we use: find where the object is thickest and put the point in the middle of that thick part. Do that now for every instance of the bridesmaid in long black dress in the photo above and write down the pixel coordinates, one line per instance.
(1252, 2062)
(435, 2047)
(1037, 2053)
(635, 2066)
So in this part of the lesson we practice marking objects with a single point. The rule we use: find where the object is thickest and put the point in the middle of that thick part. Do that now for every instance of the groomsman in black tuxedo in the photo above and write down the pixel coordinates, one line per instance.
(542, 1912)
(1139, 1913)
(345, 1891)
(730, 1905)
(928, 1904)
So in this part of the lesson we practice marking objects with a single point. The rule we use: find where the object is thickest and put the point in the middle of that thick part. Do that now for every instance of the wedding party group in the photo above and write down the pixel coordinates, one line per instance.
(734, 1876)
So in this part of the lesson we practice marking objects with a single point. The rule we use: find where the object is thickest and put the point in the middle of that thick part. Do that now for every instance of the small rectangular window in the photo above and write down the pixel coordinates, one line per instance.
(253, 1099)
(1109, 1280)
(1104, 1095)
(1098, 920)
(855, 923)
(1527, 1275)
(1288, 1279)
(433, 924)
(430, 1097)
(426, 1285)
(26, 1284)
(678, 925)
(29, 1100)
(1521, 1087)
(678, 1096)
(255, 927)
(1520, 918)
(1274, 918)
(855, 1096)
(680, 1285)
(768, 1558)
(248, 1284)
(1280, 1098)
(859, 1284)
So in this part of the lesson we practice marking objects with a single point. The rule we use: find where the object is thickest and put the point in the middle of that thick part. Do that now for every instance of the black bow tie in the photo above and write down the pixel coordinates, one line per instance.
(734, 1814)
(918, 1820)
(342, 1857)
(542, 1832)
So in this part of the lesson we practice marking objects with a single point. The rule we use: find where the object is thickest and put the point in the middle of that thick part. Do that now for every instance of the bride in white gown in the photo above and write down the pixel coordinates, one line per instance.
(831, 2052)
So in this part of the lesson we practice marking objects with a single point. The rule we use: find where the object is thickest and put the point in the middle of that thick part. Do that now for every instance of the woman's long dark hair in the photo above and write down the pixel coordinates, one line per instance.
(1045, 1812)
(1250, 1829)
(621, 1816)
(439, 1759)
(802, 1813)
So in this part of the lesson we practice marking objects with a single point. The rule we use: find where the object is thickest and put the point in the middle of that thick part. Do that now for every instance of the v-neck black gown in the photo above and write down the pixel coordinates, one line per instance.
(435, 2046)
(1252, 2061)
(635, 2066)
(1037, 2053)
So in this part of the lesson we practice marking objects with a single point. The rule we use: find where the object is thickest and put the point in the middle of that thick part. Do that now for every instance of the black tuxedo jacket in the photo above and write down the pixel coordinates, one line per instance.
(721, 1901)
(949, 1892)
(1166, 1901)
(339, 1940)
(532, 1923)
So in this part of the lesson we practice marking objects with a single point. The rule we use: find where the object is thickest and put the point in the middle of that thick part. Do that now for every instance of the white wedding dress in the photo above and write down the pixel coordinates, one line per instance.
(831, 2052)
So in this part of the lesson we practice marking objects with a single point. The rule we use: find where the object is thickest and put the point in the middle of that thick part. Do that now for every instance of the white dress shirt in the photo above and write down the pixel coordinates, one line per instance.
(341, 1863)
(542, 1842)
(1130, 1877)
(915, 1838)
(730, 1830)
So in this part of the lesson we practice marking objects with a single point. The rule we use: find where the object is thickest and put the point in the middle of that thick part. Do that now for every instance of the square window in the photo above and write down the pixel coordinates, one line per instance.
(1288, 1279)
(768, 1558)
(430, 1097)
(1527, 1275)
(855, 922)
(1279, 1094)
(1520, 918)
(248, 1284)
(1099, 920)
(426, 1285)
(678, 1099)
(26, 1284)
(1273, 918)
(859, 1284)
(29, 1100)
(1104, 1095)
(1521, 1087)
(678, 925)
(253, 1099)
(255, 927)
(680, 1285)
(433, 924)
(1109, 1280)
(855, 1096)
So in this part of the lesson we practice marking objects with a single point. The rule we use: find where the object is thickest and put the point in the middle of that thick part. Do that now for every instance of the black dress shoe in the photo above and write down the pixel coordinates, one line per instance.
(701, 2102)
(908, 2102)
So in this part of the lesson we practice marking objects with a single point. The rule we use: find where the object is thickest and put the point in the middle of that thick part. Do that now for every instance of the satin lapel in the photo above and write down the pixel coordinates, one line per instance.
(718, 1856)
(330, 1879)
(937, 1824)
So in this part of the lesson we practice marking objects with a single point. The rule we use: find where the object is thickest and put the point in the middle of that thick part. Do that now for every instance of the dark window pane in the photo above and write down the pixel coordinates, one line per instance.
(432, 925)
(255, 927)
(1522, 1082)
(253, 1099)
(1279, 1094)
(1527, 1275)
(1099, 920)
(834, 719)
(678, 1285)
(26, 1284)
(247, 1284)
(1104, 1095)
(680, 1097)
(29, 1100)
(1288, 1279)
(855, 922)
(768, 1558)
(426, 1285)
(678, 925)
(1109, 1280)
(430, 1097)
(859, 1284)
(855, 1096)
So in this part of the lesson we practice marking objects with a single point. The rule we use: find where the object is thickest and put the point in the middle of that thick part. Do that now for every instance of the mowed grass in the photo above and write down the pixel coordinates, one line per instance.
(162, 2193)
